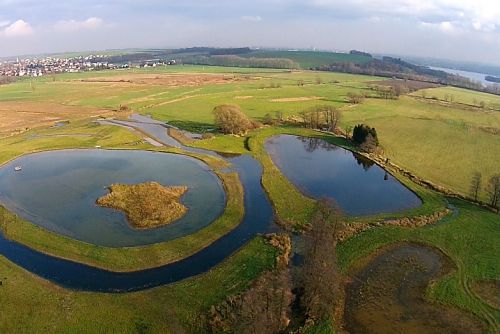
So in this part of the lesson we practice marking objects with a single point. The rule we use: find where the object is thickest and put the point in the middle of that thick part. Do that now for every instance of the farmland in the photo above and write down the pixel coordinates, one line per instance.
(437, 140)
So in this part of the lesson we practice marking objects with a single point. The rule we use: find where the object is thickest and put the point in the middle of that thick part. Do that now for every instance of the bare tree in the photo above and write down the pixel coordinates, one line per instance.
(493, 190)
(320, 276)
(475, 185)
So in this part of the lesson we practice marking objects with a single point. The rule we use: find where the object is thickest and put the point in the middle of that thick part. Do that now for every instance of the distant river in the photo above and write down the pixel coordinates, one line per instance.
(474, 76)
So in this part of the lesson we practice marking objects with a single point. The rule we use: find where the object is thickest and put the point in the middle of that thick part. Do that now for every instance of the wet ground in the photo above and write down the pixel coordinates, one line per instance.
(388, 295)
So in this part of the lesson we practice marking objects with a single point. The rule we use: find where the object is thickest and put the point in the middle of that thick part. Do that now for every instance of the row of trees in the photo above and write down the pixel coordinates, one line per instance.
(236, 61)
(492, 188)
(321, 117)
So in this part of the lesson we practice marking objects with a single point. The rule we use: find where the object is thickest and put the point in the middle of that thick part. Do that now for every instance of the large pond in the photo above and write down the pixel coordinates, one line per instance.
(322, 170)
(57, 190)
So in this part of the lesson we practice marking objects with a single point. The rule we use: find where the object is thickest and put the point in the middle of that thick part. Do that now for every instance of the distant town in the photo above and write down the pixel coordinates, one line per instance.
(37, 67)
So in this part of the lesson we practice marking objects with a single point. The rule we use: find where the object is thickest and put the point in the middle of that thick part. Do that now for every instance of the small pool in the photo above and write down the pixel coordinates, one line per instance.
(57, 190)
(322, 170)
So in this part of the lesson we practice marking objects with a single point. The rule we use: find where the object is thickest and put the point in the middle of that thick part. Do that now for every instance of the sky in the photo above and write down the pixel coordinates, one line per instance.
(450, 29)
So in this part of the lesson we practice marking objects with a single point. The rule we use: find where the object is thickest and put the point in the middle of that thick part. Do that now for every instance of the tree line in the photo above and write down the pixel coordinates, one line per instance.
(492, 188)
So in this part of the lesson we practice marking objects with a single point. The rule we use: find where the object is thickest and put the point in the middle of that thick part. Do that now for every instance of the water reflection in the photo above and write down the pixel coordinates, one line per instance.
(322, 170)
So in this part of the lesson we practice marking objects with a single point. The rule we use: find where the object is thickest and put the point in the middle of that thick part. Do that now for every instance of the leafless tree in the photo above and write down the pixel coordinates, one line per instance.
(475, 185)
(493, 190)
(320, 276)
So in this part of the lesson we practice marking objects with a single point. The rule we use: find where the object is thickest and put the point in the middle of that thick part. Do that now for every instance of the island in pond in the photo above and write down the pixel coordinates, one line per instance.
(146, 205)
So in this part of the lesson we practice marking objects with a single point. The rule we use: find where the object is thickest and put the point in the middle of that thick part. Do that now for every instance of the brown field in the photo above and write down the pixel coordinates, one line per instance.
(17, 117)
(160, 79)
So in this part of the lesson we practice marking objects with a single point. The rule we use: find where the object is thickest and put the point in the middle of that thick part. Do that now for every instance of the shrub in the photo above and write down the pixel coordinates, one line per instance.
(230, 119)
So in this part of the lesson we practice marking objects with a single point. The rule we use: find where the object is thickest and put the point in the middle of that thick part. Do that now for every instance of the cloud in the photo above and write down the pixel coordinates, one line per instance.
(4, 23)
(251, 18)
(91, 23)
(18, 29)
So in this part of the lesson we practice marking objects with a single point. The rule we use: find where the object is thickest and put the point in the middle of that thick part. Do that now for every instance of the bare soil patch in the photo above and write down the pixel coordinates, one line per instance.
(297, 99)
(17, 117)
(489, 291)
(147, 205)
(170, 80)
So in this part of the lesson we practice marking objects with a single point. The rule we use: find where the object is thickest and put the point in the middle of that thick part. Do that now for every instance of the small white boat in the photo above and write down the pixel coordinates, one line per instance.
(18, 168)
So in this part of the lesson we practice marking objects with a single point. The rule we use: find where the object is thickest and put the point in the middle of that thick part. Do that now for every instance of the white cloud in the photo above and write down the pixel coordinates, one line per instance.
(73, 25)
(252, 18)
(4, 23)
(18, 29)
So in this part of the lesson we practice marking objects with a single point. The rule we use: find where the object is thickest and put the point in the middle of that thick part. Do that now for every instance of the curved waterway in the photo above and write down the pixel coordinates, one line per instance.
(258, 218)
(323, 170)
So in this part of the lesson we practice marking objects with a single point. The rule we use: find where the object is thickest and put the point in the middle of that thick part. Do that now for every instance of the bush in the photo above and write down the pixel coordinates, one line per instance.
(230, 119)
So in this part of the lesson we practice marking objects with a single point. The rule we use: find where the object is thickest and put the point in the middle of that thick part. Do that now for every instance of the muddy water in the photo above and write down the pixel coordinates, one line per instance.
(388, 296)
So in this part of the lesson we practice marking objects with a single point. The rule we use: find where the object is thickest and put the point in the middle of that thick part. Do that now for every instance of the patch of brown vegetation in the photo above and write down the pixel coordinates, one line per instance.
(412, 85)
(147, 205)
(489, 291)
(245, 97)
(17, 117)
(297, 99)
(162, 79)
(354, 228)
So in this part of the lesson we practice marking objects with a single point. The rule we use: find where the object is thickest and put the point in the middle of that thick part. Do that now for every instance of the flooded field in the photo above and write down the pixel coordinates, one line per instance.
(388, 295)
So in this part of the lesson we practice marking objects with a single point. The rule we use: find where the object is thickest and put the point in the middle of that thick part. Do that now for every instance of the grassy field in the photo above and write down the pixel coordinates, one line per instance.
(30, 304)
(441, 144)
(307, 59)
(460, 95)
(470, 239)
(438, 141)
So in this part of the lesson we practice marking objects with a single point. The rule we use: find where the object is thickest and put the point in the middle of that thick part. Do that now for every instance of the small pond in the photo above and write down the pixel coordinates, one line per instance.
(322, 170)
(57, 190)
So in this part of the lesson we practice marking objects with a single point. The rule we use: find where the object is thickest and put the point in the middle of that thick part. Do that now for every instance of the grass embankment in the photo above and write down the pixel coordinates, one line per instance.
(146, 205)
(470, 239)
(30, 304)
(116, 259)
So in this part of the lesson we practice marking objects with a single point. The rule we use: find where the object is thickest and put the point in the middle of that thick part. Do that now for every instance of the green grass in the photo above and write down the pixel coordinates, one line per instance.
(310, 59)
(470, 239)
(461, 95)
(31, 304)
(441, 144)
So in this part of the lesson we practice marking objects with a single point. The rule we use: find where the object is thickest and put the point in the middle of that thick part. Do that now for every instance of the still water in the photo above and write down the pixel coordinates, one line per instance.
(322, 170)
(57, 190)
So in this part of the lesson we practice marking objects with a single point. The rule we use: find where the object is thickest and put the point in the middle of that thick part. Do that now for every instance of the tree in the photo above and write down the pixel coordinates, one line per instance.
(493, 190)
(231, 120)
(361, 132)
(370, 144)
(354, 98)
(475, 185)
(320, 275)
